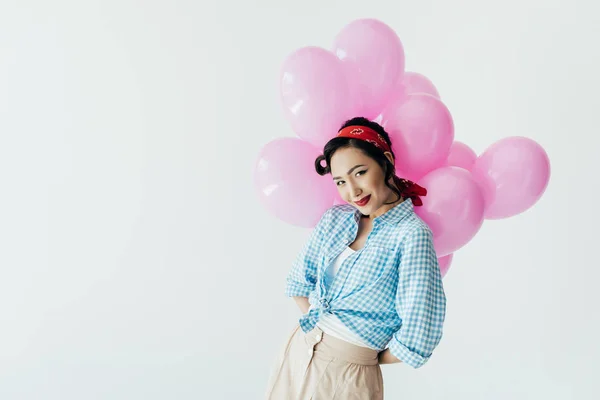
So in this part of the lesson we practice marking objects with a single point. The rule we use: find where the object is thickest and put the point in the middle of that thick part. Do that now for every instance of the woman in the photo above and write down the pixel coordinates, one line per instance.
(367, 281)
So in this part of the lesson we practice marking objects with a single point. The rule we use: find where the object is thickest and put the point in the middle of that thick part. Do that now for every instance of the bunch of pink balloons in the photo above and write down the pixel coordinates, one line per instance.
(363, 74)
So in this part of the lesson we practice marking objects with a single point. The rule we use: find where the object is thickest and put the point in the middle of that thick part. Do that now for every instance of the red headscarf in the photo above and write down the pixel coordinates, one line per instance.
(408, 189)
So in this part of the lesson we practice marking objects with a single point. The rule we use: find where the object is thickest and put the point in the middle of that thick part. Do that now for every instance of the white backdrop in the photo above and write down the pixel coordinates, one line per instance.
(136, 262)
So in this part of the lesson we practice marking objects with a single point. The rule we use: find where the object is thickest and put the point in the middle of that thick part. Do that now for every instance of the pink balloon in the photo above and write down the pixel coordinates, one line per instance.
(288, 185)
(422, 131)
(513, 174)
(411, 83)
(414, 83)
(444, 263)
(375, 52)
(316, 94)
(461, 156)
(453, 208)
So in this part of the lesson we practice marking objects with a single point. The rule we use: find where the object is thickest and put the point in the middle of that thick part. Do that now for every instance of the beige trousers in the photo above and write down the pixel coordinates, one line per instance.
(316, 366)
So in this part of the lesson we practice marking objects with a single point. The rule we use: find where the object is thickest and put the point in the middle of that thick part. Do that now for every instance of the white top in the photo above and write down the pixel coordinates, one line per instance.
(333, 268)
(329, 323)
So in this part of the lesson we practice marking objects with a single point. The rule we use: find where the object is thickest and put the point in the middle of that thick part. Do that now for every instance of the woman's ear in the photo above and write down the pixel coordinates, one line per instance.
(390, 157)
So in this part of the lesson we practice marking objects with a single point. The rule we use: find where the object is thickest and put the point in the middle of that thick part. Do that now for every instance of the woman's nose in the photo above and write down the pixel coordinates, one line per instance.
(355, 190)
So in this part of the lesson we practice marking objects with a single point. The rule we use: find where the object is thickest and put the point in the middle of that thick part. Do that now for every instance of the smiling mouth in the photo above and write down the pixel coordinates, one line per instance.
(363, 202)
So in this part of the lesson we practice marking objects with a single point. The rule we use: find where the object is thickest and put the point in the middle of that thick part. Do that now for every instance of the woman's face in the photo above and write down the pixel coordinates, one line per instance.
(360, 180)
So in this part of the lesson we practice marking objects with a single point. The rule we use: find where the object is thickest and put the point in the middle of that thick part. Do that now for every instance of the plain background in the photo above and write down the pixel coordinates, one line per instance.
(137, 263)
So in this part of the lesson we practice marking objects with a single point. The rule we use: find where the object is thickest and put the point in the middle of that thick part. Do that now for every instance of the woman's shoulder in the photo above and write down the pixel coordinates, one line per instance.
(342, 209)
(340, 212)
(409, 226)
(414, 226)
(334, 216)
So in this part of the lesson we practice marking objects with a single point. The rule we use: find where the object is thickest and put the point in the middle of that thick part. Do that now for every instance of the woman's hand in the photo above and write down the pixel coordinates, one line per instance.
(386, 357)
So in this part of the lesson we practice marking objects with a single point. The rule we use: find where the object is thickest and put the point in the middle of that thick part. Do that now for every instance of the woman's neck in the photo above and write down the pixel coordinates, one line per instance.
(385, 208)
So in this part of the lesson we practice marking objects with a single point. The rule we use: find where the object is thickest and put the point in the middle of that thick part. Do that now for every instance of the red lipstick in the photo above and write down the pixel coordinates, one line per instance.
(363, 202)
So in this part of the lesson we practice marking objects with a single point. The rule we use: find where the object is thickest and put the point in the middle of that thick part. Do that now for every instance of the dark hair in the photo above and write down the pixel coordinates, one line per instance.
(369, 149)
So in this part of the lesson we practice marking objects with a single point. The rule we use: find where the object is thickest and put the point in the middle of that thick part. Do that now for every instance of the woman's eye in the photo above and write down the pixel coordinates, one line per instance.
(361, 172)
(339, 183)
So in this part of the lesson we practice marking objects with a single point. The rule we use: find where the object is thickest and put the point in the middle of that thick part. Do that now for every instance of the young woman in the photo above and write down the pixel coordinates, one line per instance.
(367, 281)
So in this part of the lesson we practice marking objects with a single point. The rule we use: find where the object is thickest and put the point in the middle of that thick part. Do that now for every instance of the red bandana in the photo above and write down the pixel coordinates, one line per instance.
(408, 189)
(366, 134)
(411, 190)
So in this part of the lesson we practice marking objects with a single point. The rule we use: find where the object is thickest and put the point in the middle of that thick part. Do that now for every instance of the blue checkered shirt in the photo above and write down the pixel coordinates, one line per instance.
(389, 292)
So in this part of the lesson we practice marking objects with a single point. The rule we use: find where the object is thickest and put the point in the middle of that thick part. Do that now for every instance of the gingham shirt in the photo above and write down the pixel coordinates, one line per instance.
(389, 292)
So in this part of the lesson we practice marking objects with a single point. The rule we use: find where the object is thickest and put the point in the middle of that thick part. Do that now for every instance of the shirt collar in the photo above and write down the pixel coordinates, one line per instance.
(392, 216)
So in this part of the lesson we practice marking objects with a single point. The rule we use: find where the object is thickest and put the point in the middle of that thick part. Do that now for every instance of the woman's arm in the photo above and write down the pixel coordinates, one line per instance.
(420, 301)
(302, 303)
(302, 277)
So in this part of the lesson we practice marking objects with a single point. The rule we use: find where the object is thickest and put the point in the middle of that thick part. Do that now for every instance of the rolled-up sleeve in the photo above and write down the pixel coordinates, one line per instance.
(420, 300)
(302, 277)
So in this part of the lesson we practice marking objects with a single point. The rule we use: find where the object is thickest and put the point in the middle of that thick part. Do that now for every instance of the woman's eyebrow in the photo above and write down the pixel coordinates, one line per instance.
(350, 171)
